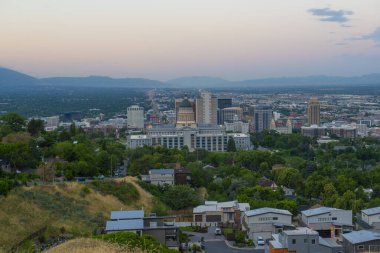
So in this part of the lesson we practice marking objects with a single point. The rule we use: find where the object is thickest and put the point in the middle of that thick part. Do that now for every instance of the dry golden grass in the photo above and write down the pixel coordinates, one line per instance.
(146, 199)
(89, 246)
(20, 218)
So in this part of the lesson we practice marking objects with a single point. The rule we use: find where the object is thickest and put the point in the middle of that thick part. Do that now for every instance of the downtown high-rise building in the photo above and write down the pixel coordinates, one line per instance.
(135, 117)
(206, 106)
(313, 112)
(222, 103)
(262, 117)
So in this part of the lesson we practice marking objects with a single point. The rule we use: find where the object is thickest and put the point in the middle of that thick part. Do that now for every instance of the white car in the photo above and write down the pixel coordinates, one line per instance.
(218, 231)
(260, 241)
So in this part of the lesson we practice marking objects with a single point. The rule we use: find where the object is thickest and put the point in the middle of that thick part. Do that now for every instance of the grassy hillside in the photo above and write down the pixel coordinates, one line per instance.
(70, 208)
(90, 246)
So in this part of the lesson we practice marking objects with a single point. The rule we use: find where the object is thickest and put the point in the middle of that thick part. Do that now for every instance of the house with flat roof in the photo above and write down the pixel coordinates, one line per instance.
(371, 217)
(362, 241)
(327, 221)
(302, 240)
(162, 228)
(216, 213)
(162, 176)
(266, 221)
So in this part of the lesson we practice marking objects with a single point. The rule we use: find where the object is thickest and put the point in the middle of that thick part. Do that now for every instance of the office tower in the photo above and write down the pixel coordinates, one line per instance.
(206, 106)
(262, 117)
(231, 114)
(313, 112)
(185, 112)
(222, 103)
(135, 117)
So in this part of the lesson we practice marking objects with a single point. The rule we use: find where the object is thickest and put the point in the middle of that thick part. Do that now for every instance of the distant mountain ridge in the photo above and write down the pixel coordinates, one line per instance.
(197, 81)
(102, 81)
(13, 79)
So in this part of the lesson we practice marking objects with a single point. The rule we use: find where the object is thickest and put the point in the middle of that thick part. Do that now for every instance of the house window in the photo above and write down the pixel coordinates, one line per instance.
(294, 241)
(334, 218)
(361, 247)
(312, 241)
(305, 240)
(275, 218)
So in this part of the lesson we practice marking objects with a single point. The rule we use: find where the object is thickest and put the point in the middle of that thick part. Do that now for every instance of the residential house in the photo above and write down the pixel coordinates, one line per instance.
(182, 175)
(162, 228)
(167, 176)
(302, 240)
(363, 241)
(266, 221)
(265, 182)
(371, 217)
(162, 176)
(216, 213)
(328, 222)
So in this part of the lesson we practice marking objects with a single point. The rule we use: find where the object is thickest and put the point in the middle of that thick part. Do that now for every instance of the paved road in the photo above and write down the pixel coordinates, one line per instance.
(216, 244)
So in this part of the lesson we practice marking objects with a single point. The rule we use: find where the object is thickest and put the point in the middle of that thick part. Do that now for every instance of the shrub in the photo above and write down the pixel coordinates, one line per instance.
(133, 241)
(124, 191)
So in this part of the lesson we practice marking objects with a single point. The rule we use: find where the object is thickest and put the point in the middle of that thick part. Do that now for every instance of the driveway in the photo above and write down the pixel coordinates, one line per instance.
(216, 243)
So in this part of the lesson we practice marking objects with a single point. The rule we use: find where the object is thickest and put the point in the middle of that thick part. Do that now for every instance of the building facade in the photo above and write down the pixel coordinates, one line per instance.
(302, 240)
(362, 241)
(135, 117)
(262, 117)
(231, 114)
(206, 106)
(266, 221)
(313, 112)
(328, 222)
(214, 213)
(371, 217)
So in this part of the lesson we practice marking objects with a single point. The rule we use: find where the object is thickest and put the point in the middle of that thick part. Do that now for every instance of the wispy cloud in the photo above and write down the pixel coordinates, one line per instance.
(329, 15)
(374, 36)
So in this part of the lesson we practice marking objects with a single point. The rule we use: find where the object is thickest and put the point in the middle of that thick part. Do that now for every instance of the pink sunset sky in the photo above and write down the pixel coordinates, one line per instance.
(163, 39)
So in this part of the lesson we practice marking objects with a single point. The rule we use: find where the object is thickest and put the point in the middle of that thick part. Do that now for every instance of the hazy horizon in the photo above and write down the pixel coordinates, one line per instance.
(162, 40)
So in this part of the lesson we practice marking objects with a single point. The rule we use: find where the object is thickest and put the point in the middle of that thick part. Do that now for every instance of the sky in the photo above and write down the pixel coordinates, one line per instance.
(164, 39)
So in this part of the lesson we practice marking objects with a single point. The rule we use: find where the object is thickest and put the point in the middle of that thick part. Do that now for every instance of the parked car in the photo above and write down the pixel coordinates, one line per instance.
(260, 241)
(218, 231)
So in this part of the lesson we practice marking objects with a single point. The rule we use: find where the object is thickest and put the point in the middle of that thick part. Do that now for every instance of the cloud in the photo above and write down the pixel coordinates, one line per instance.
(329, 15)
(374, 36)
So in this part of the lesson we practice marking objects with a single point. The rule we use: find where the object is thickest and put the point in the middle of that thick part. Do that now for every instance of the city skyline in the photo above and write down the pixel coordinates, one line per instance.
(167, 39)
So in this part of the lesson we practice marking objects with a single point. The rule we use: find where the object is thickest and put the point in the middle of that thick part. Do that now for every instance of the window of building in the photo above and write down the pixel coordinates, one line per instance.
(294, 241)
(305, 240)
(312, 241)
(334, 218)
(361, 247)
(275, 218)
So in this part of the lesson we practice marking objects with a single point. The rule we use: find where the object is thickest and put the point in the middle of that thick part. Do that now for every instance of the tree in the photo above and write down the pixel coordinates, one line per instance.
(290, 177)
(14, 121)
(329, 195)
(180, 196)
(231, 146)
(46, 172)
(35, 127)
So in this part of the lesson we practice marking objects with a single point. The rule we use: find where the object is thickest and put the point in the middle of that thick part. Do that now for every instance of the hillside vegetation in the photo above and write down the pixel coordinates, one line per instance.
(90, 246)
(69, 208)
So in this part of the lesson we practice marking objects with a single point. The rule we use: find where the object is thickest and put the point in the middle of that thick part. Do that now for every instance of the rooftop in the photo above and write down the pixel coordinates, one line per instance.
(362, 236)
(300, 231)
(124, 215)
(318, 211)
(265, 210)
(371, 211)
(116, 225)
(161, 171)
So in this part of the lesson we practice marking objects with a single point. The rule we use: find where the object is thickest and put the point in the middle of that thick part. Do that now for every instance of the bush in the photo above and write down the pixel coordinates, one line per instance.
(124, 191)
(133, 241)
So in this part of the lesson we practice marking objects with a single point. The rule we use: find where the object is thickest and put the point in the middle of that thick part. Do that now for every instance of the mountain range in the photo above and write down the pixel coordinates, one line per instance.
(13, 79)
